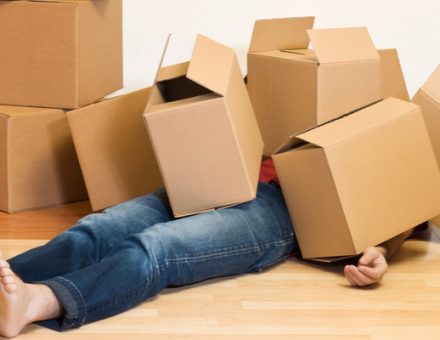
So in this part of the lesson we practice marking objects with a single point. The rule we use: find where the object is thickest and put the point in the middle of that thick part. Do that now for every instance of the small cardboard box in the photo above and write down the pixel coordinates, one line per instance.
(293, 88)
(59, 53)
(114, 150)
(428, 98)
(204, 132)
(360, 179)
(38, 164)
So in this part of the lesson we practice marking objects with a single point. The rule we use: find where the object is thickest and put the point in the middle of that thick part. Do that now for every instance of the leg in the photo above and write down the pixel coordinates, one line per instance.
(91, 238)
(232, 241)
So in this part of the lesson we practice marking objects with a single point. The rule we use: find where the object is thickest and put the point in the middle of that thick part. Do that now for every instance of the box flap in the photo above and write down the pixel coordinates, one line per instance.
(211, 64)
(343, 44)
(172, 71)
(357, 122)
(432, 85)
(279, 34)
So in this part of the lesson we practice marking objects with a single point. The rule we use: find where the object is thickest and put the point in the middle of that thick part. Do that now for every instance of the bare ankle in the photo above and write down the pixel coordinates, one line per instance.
(44, 305)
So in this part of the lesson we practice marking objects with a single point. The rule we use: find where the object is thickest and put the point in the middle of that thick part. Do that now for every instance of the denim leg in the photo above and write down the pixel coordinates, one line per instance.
(91, 238)
(245, 238)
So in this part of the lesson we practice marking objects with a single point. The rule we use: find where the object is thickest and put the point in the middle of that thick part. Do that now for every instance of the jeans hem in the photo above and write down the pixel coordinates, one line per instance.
(70, 299)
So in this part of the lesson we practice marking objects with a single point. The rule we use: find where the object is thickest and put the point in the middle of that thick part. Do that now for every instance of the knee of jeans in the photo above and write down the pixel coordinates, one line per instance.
(156, 243)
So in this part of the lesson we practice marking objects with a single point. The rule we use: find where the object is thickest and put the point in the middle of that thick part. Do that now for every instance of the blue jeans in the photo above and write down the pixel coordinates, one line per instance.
(114, 260)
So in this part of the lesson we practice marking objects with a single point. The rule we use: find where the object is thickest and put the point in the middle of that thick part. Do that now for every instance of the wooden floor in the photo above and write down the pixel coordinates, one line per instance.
(292, 300)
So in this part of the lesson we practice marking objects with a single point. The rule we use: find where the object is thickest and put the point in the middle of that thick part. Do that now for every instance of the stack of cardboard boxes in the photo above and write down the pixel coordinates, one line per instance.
(356, 167)
(55, 56)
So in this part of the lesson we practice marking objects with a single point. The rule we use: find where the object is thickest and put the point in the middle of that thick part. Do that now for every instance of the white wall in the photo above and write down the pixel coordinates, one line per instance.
(411, 26)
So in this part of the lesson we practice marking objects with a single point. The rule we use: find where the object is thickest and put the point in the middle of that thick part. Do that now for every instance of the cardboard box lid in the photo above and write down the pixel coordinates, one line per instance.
(432, 85)
(343, 45)
(280, 34)
(338, 130)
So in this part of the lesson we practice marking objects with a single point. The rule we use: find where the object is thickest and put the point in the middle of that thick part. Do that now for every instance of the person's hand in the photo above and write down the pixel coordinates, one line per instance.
(370, 269)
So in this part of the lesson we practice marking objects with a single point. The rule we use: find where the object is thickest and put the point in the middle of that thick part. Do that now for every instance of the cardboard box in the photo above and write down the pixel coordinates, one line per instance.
(114, 150)
(38, 164)
(359, 180)
(204, 132)
(428, 98)
(59, 53)
(392, 79)
(293, 88)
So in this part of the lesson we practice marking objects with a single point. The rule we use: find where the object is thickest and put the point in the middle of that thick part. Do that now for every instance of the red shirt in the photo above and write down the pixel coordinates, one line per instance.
(267, 172)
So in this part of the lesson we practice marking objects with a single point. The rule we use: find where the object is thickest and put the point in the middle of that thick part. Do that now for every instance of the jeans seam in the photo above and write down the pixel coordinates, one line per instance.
(224, 252)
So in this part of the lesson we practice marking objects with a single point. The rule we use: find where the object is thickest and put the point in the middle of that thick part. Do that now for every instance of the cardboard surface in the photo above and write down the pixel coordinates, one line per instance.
(280, 34)
(359, 180)
(114, 150)
(428, 98)
(342, 45)
(293, 89)
(62, 54)
(203, 131)
(392, 79)
(38, 164)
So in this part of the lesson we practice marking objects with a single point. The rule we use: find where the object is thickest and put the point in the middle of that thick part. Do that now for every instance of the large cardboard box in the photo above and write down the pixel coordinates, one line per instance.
(59, 53)
(428, 98)
(114, 150)
(360, 179)
(38, 164)
(204, 132)
(293, 88)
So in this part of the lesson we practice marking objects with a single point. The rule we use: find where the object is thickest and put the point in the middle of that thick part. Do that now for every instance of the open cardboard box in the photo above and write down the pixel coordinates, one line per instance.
(203, 131)
(293, 88)
(359, 180)
(428, 98)
(38, 163)
(113, 148)
(59, 53)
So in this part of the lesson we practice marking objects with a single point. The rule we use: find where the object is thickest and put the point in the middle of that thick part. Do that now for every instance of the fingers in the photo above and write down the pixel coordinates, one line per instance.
(356, 278)
(376, 272)
(369, 256)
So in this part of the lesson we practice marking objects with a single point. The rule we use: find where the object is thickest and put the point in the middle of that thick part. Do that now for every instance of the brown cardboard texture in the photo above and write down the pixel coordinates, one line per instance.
(61, 54)
(392, 79)
(359, 180)
(293, 88)
(428, 98)
(38, 164)
(114, 150)
(204, 132)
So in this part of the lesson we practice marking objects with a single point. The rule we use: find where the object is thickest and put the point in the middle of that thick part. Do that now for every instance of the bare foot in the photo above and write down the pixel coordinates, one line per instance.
(22, 303)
